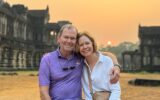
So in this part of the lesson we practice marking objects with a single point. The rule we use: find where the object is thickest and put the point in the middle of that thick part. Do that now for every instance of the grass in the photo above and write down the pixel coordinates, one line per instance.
(25, 87)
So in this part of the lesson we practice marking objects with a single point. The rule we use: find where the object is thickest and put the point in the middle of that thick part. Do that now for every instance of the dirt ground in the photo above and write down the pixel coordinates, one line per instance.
(25, 87)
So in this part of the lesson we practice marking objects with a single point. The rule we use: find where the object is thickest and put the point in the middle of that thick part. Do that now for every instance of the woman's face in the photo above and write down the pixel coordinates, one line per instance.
(85, 46)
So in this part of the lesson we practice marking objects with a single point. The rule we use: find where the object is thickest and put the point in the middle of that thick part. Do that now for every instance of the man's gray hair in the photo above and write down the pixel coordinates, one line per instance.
(68, 26)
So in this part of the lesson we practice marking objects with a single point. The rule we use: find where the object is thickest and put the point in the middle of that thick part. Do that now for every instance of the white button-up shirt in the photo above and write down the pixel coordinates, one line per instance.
(100, 77)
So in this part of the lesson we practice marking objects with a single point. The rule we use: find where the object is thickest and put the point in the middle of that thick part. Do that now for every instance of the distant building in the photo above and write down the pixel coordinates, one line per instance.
(147, 57)
(25, 35)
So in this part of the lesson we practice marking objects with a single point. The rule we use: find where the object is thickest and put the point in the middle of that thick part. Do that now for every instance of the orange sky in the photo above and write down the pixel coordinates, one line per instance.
(106, 20)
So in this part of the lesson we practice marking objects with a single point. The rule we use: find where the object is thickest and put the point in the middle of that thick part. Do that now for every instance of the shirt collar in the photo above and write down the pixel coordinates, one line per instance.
(60, 55)
(100, 58)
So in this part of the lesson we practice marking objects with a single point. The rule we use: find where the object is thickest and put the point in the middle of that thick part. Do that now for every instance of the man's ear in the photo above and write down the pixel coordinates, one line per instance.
(57, 40)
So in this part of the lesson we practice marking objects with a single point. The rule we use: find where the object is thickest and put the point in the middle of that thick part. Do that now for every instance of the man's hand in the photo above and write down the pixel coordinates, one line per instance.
(114, 75)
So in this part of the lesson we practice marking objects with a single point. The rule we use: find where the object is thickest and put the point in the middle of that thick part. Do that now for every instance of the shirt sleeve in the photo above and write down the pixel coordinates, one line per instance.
(44, 73)
(115, 91)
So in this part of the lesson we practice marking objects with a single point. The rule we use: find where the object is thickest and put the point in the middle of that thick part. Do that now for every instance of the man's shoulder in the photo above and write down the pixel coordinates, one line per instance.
(49, 54)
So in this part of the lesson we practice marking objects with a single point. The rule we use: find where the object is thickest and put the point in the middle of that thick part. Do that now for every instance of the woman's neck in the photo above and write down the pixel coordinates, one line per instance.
(92, 60)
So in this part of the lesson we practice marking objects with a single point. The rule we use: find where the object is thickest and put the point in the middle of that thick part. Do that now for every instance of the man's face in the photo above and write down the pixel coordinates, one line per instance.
(67, 40)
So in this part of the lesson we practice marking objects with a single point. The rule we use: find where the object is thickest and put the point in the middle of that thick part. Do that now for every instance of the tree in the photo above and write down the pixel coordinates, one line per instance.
(117, 50)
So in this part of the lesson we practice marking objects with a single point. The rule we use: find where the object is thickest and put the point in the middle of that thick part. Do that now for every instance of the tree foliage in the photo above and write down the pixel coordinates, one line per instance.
(117, 50)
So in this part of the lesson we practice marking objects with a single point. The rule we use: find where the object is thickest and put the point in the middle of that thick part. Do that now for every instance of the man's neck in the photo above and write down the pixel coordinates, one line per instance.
(65, 54)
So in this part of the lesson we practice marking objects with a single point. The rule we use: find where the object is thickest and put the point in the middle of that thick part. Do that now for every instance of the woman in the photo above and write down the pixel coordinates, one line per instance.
(99, 67)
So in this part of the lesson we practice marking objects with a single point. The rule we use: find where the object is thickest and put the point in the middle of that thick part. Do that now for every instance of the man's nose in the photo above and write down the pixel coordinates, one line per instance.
(69, 40)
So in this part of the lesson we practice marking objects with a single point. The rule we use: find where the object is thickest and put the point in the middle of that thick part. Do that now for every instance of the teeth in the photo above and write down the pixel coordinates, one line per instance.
(68, 46)
(85, 51)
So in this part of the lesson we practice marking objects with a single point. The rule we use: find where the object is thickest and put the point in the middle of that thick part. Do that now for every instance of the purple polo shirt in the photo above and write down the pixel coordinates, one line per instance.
(64, 84)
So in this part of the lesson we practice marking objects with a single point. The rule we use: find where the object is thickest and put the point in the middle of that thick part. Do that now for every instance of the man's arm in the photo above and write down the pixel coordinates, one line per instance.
(44, 93)
(115, 72)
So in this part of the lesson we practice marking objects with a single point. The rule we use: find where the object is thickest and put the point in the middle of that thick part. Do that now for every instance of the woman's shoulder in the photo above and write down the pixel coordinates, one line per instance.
(106, 61)
(104, 57)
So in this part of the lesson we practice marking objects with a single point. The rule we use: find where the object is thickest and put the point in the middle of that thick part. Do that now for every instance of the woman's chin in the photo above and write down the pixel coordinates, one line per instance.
(85, 55)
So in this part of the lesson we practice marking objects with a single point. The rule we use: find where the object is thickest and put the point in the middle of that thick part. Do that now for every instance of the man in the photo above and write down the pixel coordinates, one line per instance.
(61, 70)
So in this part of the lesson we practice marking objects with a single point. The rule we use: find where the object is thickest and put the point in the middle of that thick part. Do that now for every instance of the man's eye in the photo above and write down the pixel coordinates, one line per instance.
(66, 37)
(73, 38)
(86, 43)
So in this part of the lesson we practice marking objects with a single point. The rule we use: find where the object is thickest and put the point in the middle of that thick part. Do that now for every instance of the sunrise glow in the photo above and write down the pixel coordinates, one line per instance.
(109, 43)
